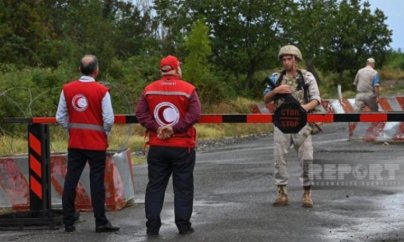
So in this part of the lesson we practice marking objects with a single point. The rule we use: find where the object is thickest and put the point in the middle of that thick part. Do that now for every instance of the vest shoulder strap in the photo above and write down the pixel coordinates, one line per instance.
(300, 85)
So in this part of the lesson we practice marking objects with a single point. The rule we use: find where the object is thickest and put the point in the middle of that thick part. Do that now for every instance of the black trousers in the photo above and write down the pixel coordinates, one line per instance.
(162, 162)
(76, 161)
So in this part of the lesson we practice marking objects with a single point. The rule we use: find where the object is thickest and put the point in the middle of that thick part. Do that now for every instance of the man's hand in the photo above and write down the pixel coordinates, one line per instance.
(283, 89)
(310, 105)
(165, 132)
(306, 107)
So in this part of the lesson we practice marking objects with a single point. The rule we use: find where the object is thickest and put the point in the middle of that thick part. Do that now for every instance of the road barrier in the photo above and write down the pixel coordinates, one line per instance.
(45, 175)
(260, 118)
(31, 191)
(390, 130)
(14, 183)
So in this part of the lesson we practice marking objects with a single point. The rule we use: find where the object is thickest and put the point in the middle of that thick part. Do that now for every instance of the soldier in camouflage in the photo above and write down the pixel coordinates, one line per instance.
(302, 85)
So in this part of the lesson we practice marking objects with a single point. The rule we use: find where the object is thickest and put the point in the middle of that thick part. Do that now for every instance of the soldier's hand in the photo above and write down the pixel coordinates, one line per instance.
(306, 107)
(283, 89)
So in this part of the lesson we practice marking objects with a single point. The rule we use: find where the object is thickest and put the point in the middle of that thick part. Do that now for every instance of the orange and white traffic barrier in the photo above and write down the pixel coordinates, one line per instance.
(14, 183)
(14, 187)
(378, 131)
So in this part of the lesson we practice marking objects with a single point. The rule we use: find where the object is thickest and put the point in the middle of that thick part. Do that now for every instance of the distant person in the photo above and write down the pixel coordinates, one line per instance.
(85, 110)
(302, 85)
(367, 82)
(168, 109)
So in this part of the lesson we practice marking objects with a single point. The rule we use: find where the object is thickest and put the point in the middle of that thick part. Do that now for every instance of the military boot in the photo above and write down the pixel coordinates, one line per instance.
(307, 201)
(282, 198)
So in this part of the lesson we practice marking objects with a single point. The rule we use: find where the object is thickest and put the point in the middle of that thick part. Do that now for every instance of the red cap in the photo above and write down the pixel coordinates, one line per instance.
(169, 63)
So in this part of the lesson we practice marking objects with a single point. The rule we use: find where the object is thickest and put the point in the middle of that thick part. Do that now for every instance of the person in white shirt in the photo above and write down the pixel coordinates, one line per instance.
(367, 82)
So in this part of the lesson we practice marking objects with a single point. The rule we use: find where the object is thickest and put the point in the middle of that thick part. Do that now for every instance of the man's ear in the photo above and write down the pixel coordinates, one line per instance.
(96, 72)
(179, 71)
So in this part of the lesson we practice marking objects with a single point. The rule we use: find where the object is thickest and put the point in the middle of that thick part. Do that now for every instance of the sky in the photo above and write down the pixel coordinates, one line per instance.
(395, 19)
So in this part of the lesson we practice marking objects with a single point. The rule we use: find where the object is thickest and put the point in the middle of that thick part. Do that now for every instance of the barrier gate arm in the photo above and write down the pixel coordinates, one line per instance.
(248, 118)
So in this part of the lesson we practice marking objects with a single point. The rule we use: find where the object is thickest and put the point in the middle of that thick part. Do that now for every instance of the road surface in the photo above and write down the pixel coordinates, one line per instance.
(359, 197)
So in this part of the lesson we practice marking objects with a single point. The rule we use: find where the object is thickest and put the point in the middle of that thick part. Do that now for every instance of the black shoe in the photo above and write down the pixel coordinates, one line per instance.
(190, 230)
(70, 228)
(152, 232)
(106, 228)
(76, 216)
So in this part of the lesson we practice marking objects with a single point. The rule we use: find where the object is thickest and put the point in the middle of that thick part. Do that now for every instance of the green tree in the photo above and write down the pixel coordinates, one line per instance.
(172, 21)
(23, 33)
(358, 35)
(110, 29)
(311, 29)
(197, 43)
(132, 28)
(337, 36)
(197, 68)
(245, 34)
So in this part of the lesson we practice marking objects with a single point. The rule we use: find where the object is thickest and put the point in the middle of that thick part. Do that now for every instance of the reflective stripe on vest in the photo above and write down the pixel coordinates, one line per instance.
(168, 93)
(86, 126)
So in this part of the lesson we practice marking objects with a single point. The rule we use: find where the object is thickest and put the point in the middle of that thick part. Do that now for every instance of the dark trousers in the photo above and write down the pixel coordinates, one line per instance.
(76, 162)
(162, 161)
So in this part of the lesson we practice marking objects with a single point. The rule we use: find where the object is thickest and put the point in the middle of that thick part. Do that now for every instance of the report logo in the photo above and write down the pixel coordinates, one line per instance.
(343, 175)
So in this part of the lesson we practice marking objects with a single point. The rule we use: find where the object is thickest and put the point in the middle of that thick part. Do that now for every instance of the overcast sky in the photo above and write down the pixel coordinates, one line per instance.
(393, 9)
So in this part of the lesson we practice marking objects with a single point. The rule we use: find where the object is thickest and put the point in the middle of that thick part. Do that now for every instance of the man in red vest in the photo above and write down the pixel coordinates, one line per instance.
(168, 109)
(85, 110)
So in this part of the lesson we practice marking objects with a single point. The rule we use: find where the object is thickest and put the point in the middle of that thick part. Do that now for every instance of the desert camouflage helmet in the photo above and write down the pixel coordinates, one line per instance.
(290, 50)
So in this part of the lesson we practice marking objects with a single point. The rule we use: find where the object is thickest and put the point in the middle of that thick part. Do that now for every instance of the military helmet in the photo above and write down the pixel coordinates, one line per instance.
(290, 50)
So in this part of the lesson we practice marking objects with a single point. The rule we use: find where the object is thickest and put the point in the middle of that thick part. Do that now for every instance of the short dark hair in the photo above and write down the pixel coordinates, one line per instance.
(88, 67)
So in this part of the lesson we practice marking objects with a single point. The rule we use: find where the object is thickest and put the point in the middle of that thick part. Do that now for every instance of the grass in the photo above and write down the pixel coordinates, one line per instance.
(391, 74)
(13, 145)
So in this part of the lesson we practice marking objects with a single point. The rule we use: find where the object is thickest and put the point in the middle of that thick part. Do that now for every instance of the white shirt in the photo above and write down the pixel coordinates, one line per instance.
(62, 116)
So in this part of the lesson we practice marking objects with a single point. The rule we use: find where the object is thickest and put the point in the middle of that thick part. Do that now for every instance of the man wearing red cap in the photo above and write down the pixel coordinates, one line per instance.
(168, 109)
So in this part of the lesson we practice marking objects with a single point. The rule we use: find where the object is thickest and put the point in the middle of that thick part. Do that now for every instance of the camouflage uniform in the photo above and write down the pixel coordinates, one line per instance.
(302, 141)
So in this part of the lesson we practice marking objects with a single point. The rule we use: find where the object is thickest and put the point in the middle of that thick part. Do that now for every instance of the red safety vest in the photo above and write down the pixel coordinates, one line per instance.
(84, 105)
(168, 102)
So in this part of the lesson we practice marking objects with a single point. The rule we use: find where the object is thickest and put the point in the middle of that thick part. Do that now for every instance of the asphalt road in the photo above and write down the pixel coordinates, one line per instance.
(359, 197)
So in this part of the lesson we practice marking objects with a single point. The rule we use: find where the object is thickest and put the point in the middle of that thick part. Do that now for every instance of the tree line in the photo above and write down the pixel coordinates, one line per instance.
(227, 46)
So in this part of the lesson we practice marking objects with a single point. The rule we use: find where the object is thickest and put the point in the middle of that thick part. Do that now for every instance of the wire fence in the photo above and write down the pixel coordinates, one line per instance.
(27, 102)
